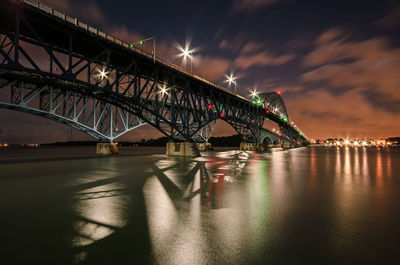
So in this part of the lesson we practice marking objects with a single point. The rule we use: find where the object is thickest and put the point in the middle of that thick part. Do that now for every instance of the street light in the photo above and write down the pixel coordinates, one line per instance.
(187, 53)
(141, 42)
(231, 79)
(254, 93)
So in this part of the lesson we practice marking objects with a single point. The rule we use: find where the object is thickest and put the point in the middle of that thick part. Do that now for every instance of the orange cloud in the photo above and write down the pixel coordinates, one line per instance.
(261, 59)
(250, 47)
(212, 68)
(371, 64)
(321, 114)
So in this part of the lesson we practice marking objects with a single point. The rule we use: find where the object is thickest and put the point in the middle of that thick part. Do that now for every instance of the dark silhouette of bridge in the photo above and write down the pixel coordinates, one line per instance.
(60, 68)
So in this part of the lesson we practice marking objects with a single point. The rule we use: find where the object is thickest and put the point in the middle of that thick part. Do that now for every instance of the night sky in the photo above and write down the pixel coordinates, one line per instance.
(337, 63)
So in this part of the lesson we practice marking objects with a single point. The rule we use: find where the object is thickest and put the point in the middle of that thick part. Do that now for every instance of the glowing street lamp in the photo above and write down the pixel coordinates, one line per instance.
(346, 142)
(187, 53)
(254, 93)
(230, 79)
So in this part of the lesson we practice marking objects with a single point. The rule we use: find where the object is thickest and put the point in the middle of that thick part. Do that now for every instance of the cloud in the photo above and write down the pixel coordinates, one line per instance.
(390, 20)
(320, 114)
(212, 68)
(371, 64)
(252, 5)
(329, 35)
(261, 59)
(251, 46)
(233, 45)
(88, 11)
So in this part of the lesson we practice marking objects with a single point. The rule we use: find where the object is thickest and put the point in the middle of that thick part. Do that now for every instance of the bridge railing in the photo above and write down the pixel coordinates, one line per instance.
(76, 22)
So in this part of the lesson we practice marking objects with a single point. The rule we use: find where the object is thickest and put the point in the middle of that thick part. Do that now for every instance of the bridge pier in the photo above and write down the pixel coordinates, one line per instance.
(204, 146)
(187, 149)
(107, 149)
(252, 147)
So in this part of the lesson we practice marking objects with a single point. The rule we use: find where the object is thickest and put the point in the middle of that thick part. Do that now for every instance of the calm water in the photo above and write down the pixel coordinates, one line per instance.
(303, 206)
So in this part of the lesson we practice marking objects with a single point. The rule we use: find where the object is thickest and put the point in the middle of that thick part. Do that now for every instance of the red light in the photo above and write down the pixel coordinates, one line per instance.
(222, 115)
(280, 134)
(209, 106)
(267, 111)
(278, 92)
(252, 121)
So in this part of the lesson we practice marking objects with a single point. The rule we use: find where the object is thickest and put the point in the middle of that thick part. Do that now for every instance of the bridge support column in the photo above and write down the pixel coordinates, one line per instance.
(106, 149)
(204, 146)
(252, 147)
(182, 149)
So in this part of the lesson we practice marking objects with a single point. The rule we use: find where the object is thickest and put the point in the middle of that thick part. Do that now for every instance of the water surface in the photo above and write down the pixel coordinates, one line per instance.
(310, 205)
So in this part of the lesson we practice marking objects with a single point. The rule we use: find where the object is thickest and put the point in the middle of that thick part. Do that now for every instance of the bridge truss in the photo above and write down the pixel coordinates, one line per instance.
(62, 69)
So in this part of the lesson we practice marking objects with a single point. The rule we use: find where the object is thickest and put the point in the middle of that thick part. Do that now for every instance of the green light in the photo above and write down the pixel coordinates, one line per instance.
(131, 45)
(141, 42)
(301, 134)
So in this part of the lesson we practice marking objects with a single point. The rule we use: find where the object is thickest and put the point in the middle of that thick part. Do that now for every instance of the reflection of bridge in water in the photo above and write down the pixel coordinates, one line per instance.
(62, 69)
(180, 182)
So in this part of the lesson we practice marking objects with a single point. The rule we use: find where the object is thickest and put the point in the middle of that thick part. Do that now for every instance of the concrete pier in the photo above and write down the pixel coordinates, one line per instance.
(107, 149)
(182, 149)
(204, 146)
(252, 147)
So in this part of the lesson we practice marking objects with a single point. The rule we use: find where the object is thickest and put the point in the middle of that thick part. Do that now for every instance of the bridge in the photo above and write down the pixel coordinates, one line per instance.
(63, 69)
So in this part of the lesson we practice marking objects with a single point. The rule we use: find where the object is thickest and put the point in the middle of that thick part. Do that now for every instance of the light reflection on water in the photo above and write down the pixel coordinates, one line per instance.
(324, 205)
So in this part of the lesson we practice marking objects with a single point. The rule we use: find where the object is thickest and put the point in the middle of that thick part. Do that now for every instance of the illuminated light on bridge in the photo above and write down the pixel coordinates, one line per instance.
(346, 142)
(356, 143)
(163, 90)
(254, 93)
(231, 79)
(187, 53)
(364, 143)
(103, 74)
(257, 101)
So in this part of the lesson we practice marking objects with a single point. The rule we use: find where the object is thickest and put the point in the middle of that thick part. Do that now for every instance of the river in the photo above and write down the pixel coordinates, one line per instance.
(310, 205)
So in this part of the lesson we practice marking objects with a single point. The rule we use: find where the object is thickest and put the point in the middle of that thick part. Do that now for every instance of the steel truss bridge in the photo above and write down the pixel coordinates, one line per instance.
(60, 68)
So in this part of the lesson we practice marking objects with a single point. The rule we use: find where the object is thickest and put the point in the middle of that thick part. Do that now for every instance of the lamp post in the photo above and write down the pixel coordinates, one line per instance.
(141, 42)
